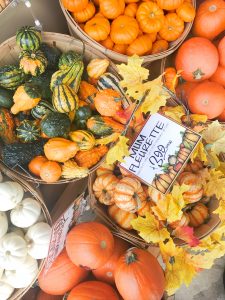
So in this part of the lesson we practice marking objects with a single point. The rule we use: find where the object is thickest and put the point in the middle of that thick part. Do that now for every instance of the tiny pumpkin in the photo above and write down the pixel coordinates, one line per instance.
(75, 6)
(50, 171)
(198, 215)
(186, 12)
(172, 28)
(194, 166)
(131, 10)
(141, 46)
(107, 43)
(159, 46)
(105, 169)
(108, 102)
(111, 9)
(169, 4)
(121, 217)
(36, 163)
(146, 205)
(120, 48)
(98, 28)
(184, 221)
(97, 67)
(85, 14)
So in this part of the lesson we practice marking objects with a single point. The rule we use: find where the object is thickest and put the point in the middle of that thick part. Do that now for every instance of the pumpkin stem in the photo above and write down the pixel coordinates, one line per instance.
(131, 257)
(103, 244)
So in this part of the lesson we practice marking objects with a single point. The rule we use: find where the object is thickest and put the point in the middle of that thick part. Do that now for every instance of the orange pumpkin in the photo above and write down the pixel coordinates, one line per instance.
(108, 102)
(171, 78)
(124, 30)
(129, 194)
(152, 36)
(198, 215)
(131, 10)
(75, 6)
(140, 46)
(186, 12)
(172, 27)
(221, 49)
(194, 166)
(111, 9)
(121, 217)
(184, 221)
(221, 117)
(43, 296)
(155, 195)
(89, 158)
(184, 89)
(104, 187)
(219, 76)
(107, 43)
(131, 1)
(106, 272)
(105, 169)
(98, 28)
(209, 20)
(146, 205)
(147, 282)
(85, 14)
(89, 289)
(120, 48)
(62, 276)
(36, 163)
(150, 17)
(195, 187)
(50, 171)
(159, 46)
(89, 245)
(169, 4)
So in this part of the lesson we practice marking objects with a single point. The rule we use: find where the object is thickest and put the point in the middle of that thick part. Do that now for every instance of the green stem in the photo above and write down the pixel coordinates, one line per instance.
(131, 257)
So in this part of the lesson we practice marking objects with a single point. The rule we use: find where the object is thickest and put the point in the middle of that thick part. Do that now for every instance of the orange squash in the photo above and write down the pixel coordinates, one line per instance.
(221, 50)
(159, 46)
(172, 28)
(198, 215)
(105, 169)
(124, 30)
(219, 76)
(85, 14)
(170, 78)
(87, 92)
(121, 217)
(98, 28)
(140, 46)
(106, 272)
(150, 17)
(108, 102)
(89, 245)
(107, 43)
(36, 163)
(89, 158)
(120, 48)
(169, 4)
(131, 10)
(186, 12)
(111, 9)
(50, 171)
(75, 6)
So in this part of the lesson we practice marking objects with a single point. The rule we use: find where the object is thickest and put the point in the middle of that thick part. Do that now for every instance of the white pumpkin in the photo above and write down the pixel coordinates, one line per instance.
(3, 224)
(26, 213)
(13, 251)
(6, 290)
(16, 230)
(23, 276)
(1, 273)
(11, 193)
(38, 238)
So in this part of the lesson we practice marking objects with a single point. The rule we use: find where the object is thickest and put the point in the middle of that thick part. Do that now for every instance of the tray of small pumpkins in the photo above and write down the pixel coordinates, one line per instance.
(25, 234)
(60, 106)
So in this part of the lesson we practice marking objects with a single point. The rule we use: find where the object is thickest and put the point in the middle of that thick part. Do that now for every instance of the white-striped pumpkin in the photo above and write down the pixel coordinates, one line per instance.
(121, 217)
(155, 195)
(195, 191)
(105, 169)
(147, 204)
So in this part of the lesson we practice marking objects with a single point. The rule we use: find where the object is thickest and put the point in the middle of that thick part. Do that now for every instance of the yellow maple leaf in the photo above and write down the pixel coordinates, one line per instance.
(215, 184)
(221, 167)
(149, 228)
(214, 136)
(218, 234)
(199, 118)
(213, 160)
(199, 153)
(118, 151)
(175, 113)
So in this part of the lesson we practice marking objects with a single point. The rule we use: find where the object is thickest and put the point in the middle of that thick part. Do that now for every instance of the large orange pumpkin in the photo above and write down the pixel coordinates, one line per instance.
(75, 6)
(169, 4)
(207, 98)
(141, 46)
(121, 217)
(106, 272)
(221, 117)
(221, 49)
(43, 296)
(219, 76)
(89, 245)
(138, 275)
(90, 290)
(184, 89)
(98, 28)
(209, 21)
(172, 28)
(62, 276)
(192, 56)
(111, 9)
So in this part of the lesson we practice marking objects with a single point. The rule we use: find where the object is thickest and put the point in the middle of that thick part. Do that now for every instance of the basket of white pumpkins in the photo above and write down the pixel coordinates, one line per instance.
(25, 233)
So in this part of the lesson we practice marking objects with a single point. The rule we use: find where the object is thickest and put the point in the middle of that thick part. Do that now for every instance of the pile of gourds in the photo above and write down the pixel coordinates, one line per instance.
(54, 122)
(24, 238)
(132, 26)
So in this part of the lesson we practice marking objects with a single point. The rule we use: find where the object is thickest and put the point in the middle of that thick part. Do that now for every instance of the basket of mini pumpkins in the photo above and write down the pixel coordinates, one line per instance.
(49, 127)
(121, 28)
(25, 233)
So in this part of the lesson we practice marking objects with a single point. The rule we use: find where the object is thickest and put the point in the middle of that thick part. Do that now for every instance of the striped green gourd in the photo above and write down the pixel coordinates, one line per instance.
(40, 110)
(64, 99)
(11, 77)
(28, 131)
(28, 38)
(33, 62)
(67, 59)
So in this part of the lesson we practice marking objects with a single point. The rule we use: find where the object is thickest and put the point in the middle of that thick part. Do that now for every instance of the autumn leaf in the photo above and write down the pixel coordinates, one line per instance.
(149, 229)
(221, 209)
(118, 151)
(214, 136)
(108, 139)
(222, 167)
(199, 153)
(215, 184)
(213, 160)
(175, 113)
(186, 233)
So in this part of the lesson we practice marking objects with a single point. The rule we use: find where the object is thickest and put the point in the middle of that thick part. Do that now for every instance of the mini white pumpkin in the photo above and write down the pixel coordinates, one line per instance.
(26, 213)
(3, 224)
(11, 193)
(38, 238)
(6, 290)
(13, 251)
(23, 276)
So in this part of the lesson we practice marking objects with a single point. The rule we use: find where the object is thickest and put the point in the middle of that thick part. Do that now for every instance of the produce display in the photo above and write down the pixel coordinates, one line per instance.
(132, 27)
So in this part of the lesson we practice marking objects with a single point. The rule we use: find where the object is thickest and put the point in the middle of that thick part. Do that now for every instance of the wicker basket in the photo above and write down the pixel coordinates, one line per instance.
(9, 55)
(76, 31)
(29, 191)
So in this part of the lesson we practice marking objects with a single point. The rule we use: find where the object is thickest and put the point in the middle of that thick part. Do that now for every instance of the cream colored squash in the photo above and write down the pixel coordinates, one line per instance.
(6, 290)
(38, 238)
(3, 224)
(11, 193)
(26, 213)
(13, 251)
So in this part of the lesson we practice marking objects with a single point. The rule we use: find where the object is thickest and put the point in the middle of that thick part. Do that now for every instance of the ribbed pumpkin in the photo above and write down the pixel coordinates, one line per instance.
(111, 9)
(84, 139)
(11, 77)
(98, 28)
(33, 62)
(85, 14)
(172, 28)
(28, 131)
(184, 221)
(198, 215)
(155, 195)
(131, 10)
(162, 182)
(194, 166)
(104, 187)
(75, 6)
(195, 191)
(146, 204)
(121, 217)
(28, 38)
(89, 245)
(108, 102)
(62, 276)
(64, 99)
(141, 46)
(129, 194)
(105, 169)
(106, 272)
(169, 4)
(97, 67)
(159, 46)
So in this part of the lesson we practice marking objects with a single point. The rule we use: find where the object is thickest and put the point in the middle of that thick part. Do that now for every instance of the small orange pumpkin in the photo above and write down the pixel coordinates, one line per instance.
(121, 217)
(124, 30)
(86, 14)
(152, 36)
(155, 195)
(98, 28)
(171, 78)
(108, 102)
(172, 27)
(131, 10)
(169, 4)
(140, 46)
(159, 46)
(74, 6)
(104, 187)
(36, 163)
(105, 169)
(50, 171)
(107, 43)
(184, 221)
(186, 12)
(147, 204)
(195, 191)
(120, 48)
(111, 9)
(198, 215)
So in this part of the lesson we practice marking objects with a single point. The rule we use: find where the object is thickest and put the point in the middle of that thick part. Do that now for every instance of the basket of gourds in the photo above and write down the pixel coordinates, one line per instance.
(51, 131)
(25, 233)
(118, 28)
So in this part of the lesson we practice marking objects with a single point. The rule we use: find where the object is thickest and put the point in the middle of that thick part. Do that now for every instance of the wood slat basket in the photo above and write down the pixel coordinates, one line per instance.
(9, 55)
(29, 192)
(76, 31)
